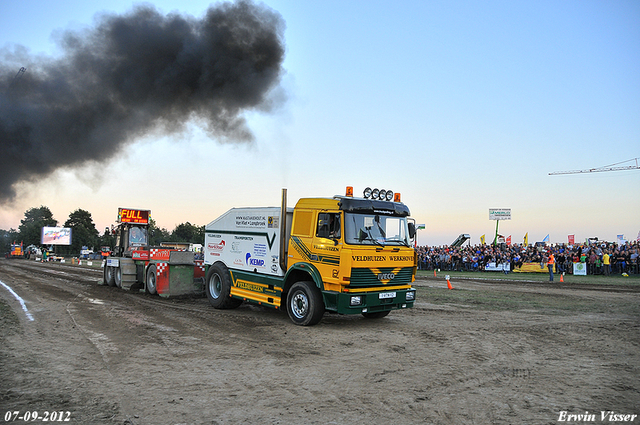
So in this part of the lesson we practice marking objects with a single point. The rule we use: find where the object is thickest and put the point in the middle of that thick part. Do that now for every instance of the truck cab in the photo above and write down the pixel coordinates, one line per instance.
(357, 251)
(129, 237)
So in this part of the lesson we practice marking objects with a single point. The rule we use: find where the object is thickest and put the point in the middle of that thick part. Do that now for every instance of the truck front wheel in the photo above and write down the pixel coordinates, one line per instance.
(218, 287)
(304, 304)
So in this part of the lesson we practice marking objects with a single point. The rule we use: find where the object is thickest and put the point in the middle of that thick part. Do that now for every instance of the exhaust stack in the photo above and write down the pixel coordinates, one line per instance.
(283, 231)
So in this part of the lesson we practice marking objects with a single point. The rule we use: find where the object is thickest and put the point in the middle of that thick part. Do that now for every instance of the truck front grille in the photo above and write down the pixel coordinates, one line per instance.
(384, 276)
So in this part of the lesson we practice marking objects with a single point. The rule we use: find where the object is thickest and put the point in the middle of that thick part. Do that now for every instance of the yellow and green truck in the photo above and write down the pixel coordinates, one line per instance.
(343, 254)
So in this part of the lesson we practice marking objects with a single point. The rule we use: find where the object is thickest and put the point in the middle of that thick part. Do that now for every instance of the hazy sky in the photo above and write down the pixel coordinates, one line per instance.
(460, 106)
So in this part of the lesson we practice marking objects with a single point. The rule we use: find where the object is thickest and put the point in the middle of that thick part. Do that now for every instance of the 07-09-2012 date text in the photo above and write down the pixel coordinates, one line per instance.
(35, 416)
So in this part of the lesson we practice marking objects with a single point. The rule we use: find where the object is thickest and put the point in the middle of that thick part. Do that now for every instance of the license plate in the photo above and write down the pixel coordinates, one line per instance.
(385, 295)
(113, 262)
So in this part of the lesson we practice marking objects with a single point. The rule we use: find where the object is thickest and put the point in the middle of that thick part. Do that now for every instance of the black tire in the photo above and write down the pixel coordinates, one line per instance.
(117, 276)
(109, 278)
(150, 281)
(218, 287)
(377, 314)
(304, 304)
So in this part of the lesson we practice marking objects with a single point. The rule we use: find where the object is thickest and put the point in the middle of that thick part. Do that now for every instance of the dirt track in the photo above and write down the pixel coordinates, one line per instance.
(110, 357)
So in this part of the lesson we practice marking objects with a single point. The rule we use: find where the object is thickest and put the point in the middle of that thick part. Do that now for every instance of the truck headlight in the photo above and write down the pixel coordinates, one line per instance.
(356, 300)
(411, 295)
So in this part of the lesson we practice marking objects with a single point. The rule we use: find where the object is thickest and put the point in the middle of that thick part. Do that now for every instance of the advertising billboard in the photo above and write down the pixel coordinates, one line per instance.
(500, 214)
(56, 236)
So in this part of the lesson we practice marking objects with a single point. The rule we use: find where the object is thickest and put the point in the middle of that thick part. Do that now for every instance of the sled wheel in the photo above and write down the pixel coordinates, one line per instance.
(151, 280)
(109, 278)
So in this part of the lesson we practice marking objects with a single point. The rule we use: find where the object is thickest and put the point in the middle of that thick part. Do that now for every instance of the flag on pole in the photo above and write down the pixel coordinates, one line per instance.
(546, 239)
(482, 239)
(509, 240)
(526, 239)
(418, 227)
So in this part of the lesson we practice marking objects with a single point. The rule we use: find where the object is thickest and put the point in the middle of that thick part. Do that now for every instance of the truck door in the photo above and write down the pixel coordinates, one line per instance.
(327, 242)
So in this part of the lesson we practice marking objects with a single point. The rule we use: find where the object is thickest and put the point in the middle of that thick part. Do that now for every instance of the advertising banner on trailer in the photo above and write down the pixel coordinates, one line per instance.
(246, 239)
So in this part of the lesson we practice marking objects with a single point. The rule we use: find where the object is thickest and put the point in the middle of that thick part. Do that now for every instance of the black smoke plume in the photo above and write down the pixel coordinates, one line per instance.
(131, 74)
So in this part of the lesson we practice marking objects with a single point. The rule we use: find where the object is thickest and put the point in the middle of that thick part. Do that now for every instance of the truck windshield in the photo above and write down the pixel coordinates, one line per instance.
(138, 236)
(375, 229)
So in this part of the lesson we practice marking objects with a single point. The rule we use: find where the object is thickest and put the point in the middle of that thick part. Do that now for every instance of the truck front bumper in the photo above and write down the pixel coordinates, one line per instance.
(368, 302)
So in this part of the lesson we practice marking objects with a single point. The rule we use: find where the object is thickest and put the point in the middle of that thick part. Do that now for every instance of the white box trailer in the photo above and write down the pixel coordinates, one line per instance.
(248, 239)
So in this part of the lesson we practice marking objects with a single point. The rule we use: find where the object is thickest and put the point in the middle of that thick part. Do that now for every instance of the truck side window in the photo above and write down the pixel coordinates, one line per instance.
(328, 226)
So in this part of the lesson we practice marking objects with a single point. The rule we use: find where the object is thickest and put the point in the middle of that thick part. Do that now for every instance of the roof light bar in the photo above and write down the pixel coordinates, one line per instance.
(380, 194)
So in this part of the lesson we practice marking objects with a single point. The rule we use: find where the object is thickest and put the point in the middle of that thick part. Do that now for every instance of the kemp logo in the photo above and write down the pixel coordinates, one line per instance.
(254, 261)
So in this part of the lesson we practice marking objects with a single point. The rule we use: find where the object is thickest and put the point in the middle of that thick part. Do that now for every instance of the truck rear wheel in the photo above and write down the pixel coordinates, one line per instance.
(109, 278)
(304, 304)
(218, 287)
(151, 280)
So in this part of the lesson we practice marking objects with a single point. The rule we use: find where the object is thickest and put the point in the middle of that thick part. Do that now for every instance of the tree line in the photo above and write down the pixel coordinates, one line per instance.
(84, 232)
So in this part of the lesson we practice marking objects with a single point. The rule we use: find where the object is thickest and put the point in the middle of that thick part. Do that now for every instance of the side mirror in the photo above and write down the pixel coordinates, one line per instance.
(323, 228)
(412, 230)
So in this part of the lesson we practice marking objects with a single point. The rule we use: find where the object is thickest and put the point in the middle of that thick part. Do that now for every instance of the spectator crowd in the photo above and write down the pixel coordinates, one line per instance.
(600, 258)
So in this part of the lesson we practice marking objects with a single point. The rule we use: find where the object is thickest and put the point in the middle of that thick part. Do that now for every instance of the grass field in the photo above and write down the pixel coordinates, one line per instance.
(543, 303)
(631, 280)
(543, 298)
